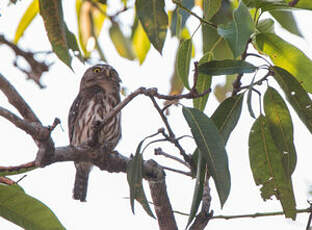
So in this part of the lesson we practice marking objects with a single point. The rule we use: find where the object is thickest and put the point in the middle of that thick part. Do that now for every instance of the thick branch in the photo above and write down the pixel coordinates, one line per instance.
(162, 206)
(204, 216)
(17, 101)
(34, 129)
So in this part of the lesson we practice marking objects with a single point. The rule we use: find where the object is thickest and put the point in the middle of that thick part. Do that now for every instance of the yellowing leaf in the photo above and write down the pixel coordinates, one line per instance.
(52, 14)
(90, 21)
(121, 43)
(28, 16)
(140, 42)
(287, 56)
(154, 20)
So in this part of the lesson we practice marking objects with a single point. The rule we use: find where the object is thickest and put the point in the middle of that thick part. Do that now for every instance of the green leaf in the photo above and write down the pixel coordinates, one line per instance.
(267, 166)
(26, 211)
(212, 41)
(211, 146)
(184, 60)
(295, 94)
(211, 7)
(267, 5)
(199, 185)
(237, 33)
(266, 26)
(227, 115)
(287, 20)
(154, 20)
(28, 16)
(134, 177)
(122, 44)
(52, 14)
(286, 56)
(140, 43)
(249, 95)
(281, 127)
(184, 16)
(203, 83)
(226, 67)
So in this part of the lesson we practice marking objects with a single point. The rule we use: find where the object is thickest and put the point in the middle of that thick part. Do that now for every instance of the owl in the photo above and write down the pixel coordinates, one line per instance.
(98, 94)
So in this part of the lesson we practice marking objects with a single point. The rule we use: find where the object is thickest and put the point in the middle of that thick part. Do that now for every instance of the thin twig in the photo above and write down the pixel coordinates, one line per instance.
(171, 136)
(237, 82)
(159, 151)
(195, 15)
(177, 171)
(258, 214)
(259, 82)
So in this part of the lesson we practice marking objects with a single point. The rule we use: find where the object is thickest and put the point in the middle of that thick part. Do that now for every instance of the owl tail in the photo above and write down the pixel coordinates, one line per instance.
(81, 181)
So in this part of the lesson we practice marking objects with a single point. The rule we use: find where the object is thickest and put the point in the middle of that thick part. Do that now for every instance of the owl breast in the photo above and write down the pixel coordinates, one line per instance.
(93, 111)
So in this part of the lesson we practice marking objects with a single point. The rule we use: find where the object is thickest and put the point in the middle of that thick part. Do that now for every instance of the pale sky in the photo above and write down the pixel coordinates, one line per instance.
(106, 206)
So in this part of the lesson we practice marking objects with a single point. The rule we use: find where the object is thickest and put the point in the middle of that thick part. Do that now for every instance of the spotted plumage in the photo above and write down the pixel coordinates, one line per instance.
(98, 94)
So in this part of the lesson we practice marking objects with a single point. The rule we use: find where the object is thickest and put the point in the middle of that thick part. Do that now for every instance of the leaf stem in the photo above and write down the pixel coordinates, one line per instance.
(178, 3)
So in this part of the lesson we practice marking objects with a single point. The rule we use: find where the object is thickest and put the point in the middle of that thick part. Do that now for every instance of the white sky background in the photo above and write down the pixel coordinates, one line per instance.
(106, 207)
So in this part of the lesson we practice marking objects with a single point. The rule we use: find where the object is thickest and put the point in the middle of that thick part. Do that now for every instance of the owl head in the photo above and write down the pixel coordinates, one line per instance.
(100, 75)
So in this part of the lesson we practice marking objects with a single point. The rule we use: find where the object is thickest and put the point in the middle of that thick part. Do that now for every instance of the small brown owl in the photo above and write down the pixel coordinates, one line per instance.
(98, 94)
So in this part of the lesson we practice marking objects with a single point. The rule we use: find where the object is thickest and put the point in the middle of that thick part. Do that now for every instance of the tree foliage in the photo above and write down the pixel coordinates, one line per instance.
(229, 29)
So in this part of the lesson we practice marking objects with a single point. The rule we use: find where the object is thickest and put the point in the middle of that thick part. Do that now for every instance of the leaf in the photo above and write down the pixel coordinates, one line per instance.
(237, 33)
(184, 16)
(121, 43)
(287, 57)
(52, 14)
(28, 16)
(287, 21)
(267, 5)
(249, 95)
(140, 43)
(212, 41)
(184, 60)
(266, 162)
(295, 94)
(211, 146)
(154, 20)
(225, 67)
(226, 116)
(203, 83)
(26, 211)
(134, 177)
(199, 185)
(211, 7)
(281, 127)
(90, 20)
(266, 26)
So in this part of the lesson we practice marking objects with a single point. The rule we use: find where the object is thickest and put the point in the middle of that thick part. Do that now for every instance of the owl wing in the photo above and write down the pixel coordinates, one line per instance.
(73, 114)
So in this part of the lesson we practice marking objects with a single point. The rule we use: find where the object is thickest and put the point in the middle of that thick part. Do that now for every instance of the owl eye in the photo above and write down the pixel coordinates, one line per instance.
(97, 70)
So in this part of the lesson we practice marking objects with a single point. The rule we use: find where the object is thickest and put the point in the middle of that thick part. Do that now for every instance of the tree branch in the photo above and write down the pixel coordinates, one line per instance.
(17, 101)
(204, 215)
(36, 68)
